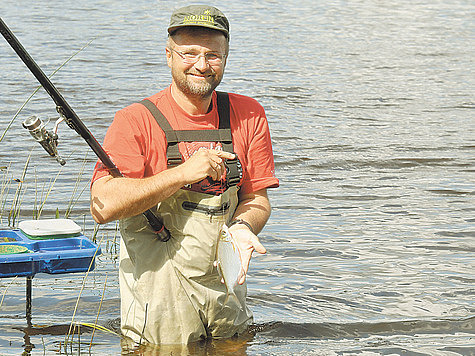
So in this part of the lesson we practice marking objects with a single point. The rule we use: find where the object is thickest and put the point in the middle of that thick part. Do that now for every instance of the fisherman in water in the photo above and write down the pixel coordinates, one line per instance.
(212, 167)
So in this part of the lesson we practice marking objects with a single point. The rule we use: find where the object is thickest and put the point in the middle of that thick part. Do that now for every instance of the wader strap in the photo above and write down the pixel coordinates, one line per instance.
(223, 110)
(224, 114)
(222, 134)
(173, 153)
(233, 166)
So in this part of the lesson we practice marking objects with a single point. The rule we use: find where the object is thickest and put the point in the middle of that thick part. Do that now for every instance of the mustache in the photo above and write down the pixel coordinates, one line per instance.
(210, 72)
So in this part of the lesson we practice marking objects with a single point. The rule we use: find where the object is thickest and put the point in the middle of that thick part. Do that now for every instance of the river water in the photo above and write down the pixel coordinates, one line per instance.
(370, 103)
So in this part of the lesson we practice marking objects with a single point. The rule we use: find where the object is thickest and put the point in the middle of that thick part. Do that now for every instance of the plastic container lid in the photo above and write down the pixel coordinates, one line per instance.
(49, 228)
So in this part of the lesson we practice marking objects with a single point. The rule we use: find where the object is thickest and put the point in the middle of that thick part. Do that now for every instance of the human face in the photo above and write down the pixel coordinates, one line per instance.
(202, 77)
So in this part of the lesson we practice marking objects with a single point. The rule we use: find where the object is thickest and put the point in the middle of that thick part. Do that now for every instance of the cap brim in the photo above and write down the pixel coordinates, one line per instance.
(171, 29)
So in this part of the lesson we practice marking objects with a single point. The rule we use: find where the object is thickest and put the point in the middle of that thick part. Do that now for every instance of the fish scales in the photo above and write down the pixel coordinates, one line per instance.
(228, 259)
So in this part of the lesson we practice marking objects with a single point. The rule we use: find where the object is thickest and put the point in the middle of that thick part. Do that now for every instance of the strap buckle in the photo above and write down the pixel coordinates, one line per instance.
(233, 171)
(172, 161)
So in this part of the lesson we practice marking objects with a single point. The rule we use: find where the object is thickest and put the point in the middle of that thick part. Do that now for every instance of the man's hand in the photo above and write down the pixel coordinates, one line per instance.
(205, 163)
(247, 242)
(121, 197)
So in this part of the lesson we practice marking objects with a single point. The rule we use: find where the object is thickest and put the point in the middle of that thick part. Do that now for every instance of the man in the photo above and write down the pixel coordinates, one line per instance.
(171, 292)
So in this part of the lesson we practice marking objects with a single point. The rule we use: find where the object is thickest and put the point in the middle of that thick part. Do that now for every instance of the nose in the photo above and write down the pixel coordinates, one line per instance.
(201, 64)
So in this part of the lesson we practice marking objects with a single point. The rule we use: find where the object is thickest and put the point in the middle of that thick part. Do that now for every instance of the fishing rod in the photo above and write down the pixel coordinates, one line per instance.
(49, 140)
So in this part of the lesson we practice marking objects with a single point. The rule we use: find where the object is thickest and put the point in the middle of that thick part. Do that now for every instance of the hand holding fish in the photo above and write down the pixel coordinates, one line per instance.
(237, 242)
(247, 243)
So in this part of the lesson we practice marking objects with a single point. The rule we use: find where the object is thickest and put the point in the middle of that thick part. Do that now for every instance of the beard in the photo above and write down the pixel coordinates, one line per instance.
(200, 89)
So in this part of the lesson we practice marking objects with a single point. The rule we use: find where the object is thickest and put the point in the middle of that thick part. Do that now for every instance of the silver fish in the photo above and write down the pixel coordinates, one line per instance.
(228, 259)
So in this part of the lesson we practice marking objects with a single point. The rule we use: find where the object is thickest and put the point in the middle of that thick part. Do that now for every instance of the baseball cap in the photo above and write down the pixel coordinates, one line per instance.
(199, 15)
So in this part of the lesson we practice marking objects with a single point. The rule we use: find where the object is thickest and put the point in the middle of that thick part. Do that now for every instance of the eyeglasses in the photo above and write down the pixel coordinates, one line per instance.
(212, 58)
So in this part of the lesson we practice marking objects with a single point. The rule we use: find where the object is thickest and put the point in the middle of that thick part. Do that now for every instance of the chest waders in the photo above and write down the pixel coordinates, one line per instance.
(170, 291)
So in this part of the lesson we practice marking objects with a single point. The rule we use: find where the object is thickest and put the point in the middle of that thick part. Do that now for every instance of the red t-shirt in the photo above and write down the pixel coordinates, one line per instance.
(137, 145)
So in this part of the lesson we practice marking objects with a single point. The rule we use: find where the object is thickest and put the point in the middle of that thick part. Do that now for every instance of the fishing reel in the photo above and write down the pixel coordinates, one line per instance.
(47, 139)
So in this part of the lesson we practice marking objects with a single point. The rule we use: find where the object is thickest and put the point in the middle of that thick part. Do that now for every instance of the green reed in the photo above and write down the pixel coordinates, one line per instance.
(43, 192)
(20, 191)
(5, 188)
(74, 199)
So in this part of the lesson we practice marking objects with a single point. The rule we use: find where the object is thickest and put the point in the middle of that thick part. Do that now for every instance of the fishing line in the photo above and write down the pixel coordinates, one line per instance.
(40, 86)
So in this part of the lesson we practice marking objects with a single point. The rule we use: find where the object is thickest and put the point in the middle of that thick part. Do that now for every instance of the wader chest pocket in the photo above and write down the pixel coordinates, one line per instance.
(206, 209)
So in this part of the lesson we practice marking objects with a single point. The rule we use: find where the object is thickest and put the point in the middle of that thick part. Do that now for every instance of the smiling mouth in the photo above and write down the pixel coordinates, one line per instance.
(202, 78)
(199, 75)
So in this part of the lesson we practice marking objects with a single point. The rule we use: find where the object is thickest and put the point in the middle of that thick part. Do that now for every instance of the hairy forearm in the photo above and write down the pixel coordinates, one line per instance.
(117, 198)
(255, 209)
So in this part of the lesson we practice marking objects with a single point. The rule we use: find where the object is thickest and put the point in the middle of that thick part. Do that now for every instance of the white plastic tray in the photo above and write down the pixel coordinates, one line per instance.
(49, 227)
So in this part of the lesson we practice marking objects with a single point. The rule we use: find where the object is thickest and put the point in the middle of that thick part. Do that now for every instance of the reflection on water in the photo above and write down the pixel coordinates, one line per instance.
(372, 333)
(234, 346)
(370, 104)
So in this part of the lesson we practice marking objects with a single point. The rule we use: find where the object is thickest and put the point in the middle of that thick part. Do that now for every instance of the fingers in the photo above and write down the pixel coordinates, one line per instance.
(219, 156)
(224, 154)
(216, 162)
(253, 244)
(244, 268)
(256, 246)
(245, 262)
(217, 169)
(218, 153)
(206, 163)
(242, 278)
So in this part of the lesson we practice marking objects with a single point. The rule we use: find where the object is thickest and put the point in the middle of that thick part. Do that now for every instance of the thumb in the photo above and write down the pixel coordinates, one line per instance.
(258, 247)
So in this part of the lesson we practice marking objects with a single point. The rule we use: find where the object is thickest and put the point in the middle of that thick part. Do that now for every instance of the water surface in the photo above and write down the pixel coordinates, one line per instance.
(371, 242)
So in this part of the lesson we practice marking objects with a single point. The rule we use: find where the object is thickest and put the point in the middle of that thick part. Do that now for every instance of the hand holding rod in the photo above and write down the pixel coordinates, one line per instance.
(73, 121)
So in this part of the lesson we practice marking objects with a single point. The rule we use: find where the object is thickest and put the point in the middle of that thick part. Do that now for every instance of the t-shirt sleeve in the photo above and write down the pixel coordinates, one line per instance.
(125, 144)
(259, 169)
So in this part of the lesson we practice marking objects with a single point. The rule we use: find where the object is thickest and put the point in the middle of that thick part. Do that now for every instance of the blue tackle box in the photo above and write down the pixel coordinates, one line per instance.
(50, 246)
